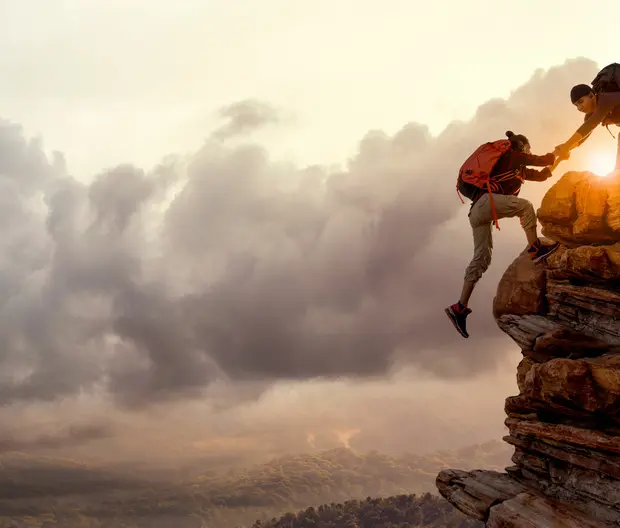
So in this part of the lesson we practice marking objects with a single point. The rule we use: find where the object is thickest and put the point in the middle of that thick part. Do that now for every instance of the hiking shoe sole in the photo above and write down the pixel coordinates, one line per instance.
(452, 316)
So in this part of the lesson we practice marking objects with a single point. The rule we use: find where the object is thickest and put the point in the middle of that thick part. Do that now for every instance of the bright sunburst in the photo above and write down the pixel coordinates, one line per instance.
(602, 163)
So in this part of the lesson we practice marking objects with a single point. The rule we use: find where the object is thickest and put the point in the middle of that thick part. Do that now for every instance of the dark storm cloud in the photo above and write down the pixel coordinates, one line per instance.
(256, 270)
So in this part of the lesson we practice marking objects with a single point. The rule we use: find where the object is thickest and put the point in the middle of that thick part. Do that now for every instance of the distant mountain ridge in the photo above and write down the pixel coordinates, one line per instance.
(64, 493)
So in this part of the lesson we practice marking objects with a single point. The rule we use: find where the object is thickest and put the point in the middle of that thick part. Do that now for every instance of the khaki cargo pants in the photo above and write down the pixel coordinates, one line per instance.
(481, 220)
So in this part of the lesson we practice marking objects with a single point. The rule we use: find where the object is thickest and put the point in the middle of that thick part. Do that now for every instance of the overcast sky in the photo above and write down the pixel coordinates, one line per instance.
(190, 236)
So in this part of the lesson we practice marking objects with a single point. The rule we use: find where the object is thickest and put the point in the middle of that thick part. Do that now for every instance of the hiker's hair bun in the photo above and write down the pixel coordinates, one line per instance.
(509, 134)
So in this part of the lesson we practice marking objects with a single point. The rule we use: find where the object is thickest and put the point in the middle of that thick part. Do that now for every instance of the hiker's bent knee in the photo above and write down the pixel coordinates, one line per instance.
(528, 215)
(476, 268)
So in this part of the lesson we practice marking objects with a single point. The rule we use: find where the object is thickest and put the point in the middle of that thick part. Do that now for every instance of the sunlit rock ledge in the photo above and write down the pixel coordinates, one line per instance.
(565, 422)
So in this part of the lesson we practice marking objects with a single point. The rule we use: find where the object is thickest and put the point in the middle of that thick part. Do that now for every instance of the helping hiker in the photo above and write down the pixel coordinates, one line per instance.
(601, 105)
(492, 178)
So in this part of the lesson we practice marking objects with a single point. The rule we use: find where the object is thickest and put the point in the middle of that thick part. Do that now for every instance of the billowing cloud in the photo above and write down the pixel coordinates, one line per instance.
(246, 116)
(233, 266)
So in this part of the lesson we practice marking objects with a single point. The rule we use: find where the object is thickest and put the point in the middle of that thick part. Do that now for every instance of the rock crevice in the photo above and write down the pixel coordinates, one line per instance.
(564, 424)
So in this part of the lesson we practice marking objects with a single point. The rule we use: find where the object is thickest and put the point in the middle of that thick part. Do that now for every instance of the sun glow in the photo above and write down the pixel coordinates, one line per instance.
(602, 163)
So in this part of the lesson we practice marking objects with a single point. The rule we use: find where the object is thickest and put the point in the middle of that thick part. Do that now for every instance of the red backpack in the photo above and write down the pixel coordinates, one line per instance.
(475, 173)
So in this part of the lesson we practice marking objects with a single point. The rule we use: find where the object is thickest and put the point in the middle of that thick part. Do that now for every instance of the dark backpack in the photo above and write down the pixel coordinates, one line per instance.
(608, 79)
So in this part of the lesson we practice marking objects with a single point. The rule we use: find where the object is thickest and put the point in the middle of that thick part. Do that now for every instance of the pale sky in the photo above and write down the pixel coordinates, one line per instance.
(131, 81)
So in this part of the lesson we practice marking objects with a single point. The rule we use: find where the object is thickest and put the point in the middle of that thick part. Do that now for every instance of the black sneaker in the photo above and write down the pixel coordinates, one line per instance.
(539, 252)
(457, 313)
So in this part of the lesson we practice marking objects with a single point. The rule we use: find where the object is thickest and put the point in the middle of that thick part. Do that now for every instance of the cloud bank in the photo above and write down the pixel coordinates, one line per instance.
(228, 265)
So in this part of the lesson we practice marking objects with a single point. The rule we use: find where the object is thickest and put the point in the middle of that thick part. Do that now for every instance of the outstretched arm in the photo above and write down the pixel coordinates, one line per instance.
(555, 163)
(606, 103)
(564, 155)
(522, 158)
(583, 138)
(535, 175)
(563, 150)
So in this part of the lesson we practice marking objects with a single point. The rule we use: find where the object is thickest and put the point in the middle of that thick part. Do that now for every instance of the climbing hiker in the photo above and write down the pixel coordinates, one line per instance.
(492, 178)
(601, 105)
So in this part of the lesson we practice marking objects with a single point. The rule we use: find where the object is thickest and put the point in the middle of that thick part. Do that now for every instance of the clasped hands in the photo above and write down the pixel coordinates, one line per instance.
(561, 152)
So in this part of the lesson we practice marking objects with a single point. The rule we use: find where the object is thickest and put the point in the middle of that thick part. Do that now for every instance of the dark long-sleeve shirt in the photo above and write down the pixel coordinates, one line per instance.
(608, 103)
(515, 162)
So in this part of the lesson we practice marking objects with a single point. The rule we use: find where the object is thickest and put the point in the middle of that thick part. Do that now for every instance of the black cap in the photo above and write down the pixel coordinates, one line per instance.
(577, 92)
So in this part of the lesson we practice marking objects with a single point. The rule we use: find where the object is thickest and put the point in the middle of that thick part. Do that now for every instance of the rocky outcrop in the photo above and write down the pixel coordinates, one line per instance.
(581, 209)
(565, 422)
(502, 501)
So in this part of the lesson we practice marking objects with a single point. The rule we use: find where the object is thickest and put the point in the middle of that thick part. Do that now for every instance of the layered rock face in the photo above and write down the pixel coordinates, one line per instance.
(565, 422)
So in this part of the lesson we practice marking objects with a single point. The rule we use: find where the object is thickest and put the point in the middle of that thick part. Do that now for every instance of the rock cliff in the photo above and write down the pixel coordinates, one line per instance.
(565, 422)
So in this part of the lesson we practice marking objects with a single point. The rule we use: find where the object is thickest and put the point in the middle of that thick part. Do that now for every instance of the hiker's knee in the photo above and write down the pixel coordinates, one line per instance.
(477, 267)
(528, 215)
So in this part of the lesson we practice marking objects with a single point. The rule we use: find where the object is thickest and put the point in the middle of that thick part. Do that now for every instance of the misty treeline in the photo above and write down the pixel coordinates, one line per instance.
(402, 511)
(80, 496)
